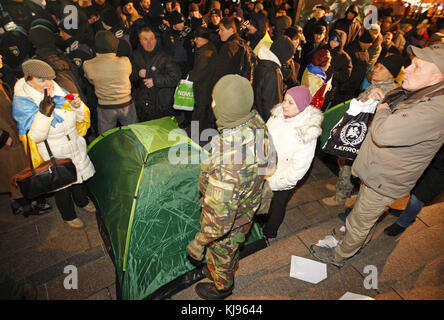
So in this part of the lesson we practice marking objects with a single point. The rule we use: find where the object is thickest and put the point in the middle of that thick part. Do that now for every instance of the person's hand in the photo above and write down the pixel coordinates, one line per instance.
(76, 102)
(9, 142)
(383, 106)
(149, 83)
(377, 94)
(195, 250)
(47, 105)
(142, 73)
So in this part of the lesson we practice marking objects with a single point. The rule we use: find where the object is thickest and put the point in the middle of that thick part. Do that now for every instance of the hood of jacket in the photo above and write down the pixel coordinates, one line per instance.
(353, 8)
(307, 124)
(342, 37)
(266, 54)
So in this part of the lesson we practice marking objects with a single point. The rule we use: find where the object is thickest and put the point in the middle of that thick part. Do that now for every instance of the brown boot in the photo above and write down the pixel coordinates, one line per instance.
(208, 291)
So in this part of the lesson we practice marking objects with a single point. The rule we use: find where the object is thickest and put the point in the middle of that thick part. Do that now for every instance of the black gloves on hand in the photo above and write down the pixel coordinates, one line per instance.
(47, 105)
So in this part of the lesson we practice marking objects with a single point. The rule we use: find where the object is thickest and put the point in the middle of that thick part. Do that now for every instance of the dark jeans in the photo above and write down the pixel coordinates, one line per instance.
(414, 207)
(277, 212)
(66, 198)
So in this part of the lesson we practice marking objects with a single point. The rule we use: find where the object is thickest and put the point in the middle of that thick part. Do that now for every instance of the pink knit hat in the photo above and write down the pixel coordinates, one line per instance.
(301, 95)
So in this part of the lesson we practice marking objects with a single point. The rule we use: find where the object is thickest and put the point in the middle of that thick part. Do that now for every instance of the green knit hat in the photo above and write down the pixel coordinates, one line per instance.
(234, 98)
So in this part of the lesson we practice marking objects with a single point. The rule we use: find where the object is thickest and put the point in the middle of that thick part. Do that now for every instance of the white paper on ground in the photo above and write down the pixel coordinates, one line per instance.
(307, 270)
(328, 242)
(354, 296)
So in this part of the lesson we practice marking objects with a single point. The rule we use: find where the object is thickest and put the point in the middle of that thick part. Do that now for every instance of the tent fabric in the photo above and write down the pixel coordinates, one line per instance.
(149, 204)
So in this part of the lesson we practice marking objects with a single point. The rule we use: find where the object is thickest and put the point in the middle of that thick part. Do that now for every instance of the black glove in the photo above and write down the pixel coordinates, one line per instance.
(47, 105)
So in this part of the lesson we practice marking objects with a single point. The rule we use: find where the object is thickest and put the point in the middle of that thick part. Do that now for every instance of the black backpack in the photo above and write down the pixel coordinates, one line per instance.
(248, 61)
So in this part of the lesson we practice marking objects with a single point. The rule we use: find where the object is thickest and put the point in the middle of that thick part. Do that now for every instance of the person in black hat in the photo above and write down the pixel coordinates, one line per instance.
(358, 52)
(312, 46)
(67, 74)
(318, 19)
(181, 44)
(257, 33)
(204, 63)
(111, 21)
(349, 24)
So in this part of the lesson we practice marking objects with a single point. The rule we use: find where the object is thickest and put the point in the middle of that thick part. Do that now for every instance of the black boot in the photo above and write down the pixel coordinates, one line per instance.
(208, 291)
(394, 230)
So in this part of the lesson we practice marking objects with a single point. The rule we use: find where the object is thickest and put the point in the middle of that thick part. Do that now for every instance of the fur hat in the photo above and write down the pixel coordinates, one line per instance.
(38, 69)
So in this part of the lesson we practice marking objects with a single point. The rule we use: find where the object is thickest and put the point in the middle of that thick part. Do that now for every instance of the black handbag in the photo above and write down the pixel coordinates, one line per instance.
(51, 175)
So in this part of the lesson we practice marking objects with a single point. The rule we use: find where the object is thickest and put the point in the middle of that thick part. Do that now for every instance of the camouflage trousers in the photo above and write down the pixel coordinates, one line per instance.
(344, 186)
(222, 257)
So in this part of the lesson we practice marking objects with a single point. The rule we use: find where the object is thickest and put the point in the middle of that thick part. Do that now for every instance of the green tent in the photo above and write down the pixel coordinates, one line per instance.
(146, 189)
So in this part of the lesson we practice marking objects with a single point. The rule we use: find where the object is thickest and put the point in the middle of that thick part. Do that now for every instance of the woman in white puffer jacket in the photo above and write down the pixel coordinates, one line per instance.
(58, 118)
(294, 126)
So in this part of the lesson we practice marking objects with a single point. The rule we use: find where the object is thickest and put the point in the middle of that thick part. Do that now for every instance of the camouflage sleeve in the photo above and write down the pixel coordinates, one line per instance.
(219, 205)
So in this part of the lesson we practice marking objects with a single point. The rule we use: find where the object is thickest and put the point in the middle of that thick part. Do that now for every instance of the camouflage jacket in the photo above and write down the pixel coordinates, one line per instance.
(232, 177)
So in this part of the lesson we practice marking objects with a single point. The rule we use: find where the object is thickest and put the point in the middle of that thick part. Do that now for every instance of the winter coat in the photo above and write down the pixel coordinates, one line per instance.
(268, 83)
(112, 85)
(351, 27)
(341, 63)
(295, 142)
(157, 101)
(67, 74)
(63, 137)
(229, 58)
(204, 60)
(401, 143)
(12, 158)
(360, 60)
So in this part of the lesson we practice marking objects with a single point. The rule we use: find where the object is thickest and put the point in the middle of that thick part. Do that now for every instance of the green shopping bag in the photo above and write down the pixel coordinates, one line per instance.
(184, 96)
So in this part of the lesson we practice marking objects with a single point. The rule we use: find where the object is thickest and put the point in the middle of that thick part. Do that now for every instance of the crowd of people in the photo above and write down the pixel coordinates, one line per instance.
(65, 77)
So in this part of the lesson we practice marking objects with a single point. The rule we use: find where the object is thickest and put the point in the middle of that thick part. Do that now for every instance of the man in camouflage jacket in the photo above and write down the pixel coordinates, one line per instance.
(231, 183)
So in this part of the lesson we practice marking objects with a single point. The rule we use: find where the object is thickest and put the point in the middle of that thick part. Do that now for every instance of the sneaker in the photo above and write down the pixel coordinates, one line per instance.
(75, 224)
(330, 187)
(326, 255)
(331, 202)
(41, 205)
(90, 207)
(208, 291)
(394, 230)
(339, 233)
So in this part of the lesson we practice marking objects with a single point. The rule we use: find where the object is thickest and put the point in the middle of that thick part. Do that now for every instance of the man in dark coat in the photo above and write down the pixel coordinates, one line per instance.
(349, 24)
(341, 67)
(268, 83)
(155, 77)
(358, 51)
(204, 58)
(23, 12)
(318, 19)
(230, 54)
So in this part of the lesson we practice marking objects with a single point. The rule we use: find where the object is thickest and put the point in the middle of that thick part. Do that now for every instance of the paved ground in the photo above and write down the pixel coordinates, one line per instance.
(411, 266)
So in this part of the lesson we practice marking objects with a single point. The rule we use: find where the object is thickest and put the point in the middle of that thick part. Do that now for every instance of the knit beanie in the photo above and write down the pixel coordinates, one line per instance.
(393, 64)
(321, 57)
(301, 96)
(176, 18)
(109, 17)
(38, 69)
(282, 23)
(234, 98)
(51, 25)
(106, 42)
(283, 48)
(42, 37)
(201, 32)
